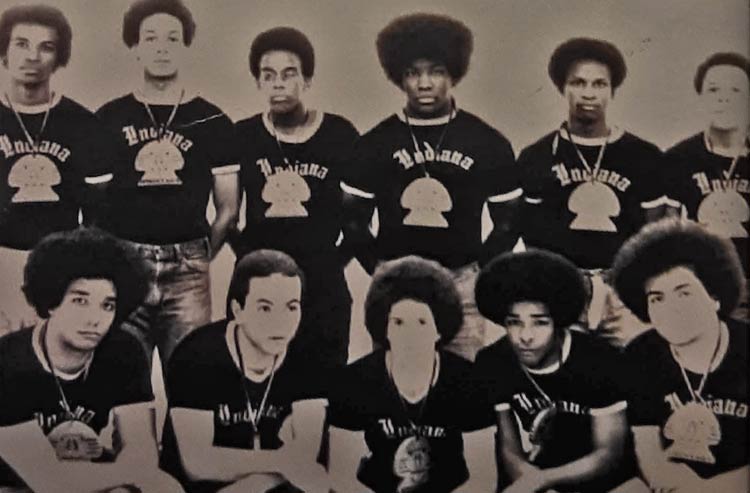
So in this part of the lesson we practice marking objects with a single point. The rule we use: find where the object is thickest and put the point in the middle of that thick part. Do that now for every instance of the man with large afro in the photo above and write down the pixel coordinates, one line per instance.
(545, 373)
(431, 167)
(687, 378)
(411, 383)
(590, 184)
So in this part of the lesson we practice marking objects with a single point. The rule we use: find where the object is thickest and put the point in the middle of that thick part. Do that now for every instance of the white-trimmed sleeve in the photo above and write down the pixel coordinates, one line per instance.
(98, 179)
(225, 169)
(356, 191)
(612, 409)
(502, 406)
(506, 197)
(663, 200)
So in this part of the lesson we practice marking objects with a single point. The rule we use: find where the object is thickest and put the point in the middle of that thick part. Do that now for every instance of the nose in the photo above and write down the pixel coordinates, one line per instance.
(526, 336)
(33, 55)
(424, 81)
(588, 92)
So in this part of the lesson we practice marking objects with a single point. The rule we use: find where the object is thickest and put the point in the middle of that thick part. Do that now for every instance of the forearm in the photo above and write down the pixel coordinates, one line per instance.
(229, 464)
(581, 470)
(516, 464)
(225, 221)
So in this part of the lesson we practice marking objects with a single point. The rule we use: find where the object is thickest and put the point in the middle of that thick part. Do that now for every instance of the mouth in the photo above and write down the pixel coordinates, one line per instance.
(588, 107)
(279, 99)
(426, 100)
(90, 335)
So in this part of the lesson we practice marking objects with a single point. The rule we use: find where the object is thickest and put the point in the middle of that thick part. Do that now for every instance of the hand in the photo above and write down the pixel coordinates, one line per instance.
(529, 483)
(682, 481)
(158, 482)
(619, 325)
(310, 477)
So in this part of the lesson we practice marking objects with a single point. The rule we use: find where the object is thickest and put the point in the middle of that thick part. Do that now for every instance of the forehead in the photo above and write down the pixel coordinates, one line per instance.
(676, 276)
(279, 60)
(528, 308)
(726, 74)
(36, 32)
(161, 22)
(588, 69)
(408, 306)
(424, 63)
(276, 287)
(103, 288)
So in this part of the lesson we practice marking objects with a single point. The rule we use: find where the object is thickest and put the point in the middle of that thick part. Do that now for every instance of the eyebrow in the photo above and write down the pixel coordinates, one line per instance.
(681, 286)
(80, 291)
(153, 31)
(264, 300)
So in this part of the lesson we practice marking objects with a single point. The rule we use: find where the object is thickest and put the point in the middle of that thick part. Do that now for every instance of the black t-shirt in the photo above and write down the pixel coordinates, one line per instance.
(117, 376)
(696, 177)
(586, 384)
(429, 457)
(657, 388)
(295, 208)
(43, 192)
(161, 187)
(430, 204)
(203, 376)
(587, 221)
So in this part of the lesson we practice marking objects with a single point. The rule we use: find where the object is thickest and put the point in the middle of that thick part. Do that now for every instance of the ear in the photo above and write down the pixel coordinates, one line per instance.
(5, 61)
(718, 304)
(234, 305)
(307, 83)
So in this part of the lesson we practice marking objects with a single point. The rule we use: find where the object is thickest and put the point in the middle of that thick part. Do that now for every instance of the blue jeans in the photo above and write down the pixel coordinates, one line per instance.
(179, 295)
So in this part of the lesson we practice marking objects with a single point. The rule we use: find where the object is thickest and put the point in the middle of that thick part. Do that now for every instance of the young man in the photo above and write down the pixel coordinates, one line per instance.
(708, 173)
(589, 185)
(408, 418)
(76, 407)
(51, 149)
(245, 414)
(559, 385)
(687, 379)
(431, 167)
(176, 148)
(292, 161)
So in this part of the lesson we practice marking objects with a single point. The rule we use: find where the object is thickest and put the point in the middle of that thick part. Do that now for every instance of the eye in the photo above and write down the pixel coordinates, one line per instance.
(264, 308)
(600, 84)
(512, 322)
(683, 293)
(150, 38)
(293, 307)
(713, 89)
(397, 321)
(439, 71)
(109, 306)
(542, 322)
(79, 300)
(410, 72)
(653, 299)
(422, 321)
(49, 48)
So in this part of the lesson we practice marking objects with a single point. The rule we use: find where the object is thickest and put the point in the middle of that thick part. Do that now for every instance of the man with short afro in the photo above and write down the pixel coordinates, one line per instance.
(292, 160)
(589, 184)
(686, 378)
(708, 173)
(545, 373)
(431, 167)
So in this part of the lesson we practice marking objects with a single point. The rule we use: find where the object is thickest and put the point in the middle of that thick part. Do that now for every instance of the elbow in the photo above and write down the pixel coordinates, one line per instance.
(194, 467)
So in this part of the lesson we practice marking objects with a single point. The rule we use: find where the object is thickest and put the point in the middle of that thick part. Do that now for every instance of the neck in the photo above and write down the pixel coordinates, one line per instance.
(730, 140)
(412, 371)
(30, 94)
(257, 362)
(62, 357)
(695, 354)
(162, 89)
(440, 112)
(588, 128)
(288, 121)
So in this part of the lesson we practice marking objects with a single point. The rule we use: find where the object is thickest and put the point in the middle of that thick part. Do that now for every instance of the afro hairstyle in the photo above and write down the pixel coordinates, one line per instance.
(733, 59)
(663, 245)
(417, 279)
(283, 39)
(534, 276)
(438, 38)
(259, 263)
(60, 259)
(43, 15)
(576, 49)
(131, 21)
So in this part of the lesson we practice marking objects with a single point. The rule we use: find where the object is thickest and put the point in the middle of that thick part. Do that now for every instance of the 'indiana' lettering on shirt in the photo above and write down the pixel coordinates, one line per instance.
(135, 136)
(12, 147)
(720, 407)
(228, 417)
(302, 169)
(707, 185)
(409, 158)
(393, 431)
(47, 422)
(533, 405)
(566, 176)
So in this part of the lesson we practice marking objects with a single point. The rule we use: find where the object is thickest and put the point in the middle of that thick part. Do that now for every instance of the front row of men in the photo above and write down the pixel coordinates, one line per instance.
(248, 413)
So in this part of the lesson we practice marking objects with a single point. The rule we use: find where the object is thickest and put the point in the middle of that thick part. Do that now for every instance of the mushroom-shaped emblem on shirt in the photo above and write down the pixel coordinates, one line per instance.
(693, 428)
(723, 212)
(426, 199)
(34, 175)
(159, 160)
(286, 191)
(594, 204)
(411, 463)
(74, 440)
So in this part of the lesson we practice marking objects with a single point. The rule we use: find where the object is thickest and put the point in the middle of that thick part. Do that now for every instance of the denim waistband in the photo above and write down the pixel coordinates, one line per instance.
(173, 251)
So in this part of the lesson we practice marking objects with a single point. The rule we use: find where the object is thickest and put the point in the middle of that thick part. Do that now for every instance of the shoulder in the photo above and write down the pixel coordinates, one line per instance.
(738, 338)
(634, 142)
(202, 346)
(338, 122)
(594, 355)
(74, 108)
(118, 104)
(645, 346)
(686, 146)
(494, 358)
(476, 124)
(541, 145)
(250, 124)
(383, 129)
(15, 346)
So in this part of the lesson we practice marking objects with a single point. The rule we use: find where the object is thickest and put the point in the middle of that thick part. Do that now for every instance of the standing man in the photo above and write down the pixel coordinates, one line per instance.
(76, 406)
(708, 173)
(589, 185)
(176, 148)
(51, 149)
(687, 377)
(431, 167)
(292, 159)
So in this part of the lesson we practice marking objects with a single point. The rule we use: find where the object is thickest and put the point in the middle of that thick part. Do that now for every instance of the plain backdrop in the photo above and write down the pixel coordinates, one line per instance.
(507, 85)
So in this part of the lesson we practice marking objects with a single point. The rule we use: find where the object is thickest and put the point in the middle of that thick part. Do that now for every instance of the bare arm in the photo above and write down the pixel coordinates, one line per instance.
(511, 452)
(358, 239)
(347, 448)
(479, 452)
(505, 212)
(226, 196)
(657, 470)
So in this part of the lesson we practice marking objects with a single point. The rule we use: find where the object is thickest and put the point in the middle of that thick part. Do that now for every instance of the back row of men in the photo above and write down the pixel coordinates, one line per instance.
(144, 167)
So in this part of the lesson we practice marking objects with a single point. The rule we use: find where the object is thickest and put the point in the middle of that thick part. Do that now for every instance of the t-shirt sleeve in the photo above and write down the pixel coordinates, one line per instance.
(637, 386)
(494, 374)
(98, 148)
(607, 393)
(347, 404)
(186, 373)
(674, 172)
(502, 177)
(136, 376)
(479, 412)
(653, 189)
(224, 151)
(363, 175)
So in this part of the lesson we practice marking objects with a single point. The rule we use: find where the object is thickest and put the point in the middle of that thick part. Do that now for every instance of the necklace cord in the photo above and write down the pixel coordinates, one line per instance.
(403, 403)
(696, 394)
(255, 415)
(33, 142)
(582, 158)
(439, 144)
(160, 129)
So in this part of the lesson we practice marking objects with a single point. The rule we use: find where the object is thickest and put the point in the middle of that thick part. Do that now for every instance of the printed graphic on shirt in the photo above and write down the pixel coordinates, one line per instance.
(411, 463)
(594, 204)
(724, 212)
(158, 161)
(693, 429)
(426, 199)
(34, 175)
(286, 191)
